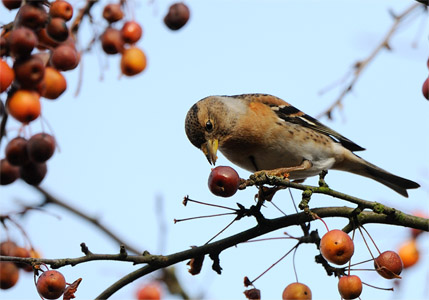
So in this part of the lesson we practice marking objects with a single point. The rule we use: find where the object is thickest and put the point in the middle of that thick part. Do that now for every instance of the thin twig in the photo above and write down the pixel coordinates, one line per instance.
(361, 65)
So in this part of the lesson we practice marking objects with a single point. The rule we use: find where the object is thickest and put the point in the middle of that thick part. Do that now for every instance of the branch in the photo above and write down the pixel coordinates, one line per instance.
(156, 262)
(361, 65)
(85, 11)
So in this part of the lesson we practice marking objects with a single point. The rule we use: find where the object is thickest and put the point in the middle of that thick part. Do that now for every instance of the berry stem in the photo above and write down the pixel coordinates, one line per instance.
(279, 260)
(202, 217)
(376, 287)
(217, 234)
(367, 246)
(187, 199)
(371, 239)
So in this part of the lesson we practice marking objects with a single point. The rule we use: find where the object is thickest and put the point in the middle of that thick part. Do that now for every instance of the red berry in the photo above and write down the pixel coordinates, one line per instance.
(131, 32)
(22, 41)
(111, 41)
(8, 172)
(33, 173)
(112, 12)
(32, 15)
(57, 29)
(337, 247)
(425, 88)
(64, 58)
(177, 16)
(29, 71)
(51, 284)
(41, 147)
(350, 287)
(223, 181)
(16, 151)
(389, 265)
(12, 4)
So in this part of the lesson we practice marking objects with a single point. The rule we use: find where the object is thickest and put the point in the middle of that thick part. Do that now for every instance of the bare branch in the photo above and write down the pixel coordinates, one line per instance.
(361, 65)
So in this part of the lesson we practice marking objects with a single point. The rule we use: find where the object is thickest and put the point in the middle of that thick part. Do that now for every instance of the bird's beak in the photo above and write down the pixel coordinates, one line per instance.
(210, 149)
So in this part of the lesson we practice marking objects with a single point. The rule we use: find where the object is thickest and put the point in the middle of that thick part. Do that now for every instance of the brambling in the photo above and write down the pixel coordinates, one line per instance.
(260, 132)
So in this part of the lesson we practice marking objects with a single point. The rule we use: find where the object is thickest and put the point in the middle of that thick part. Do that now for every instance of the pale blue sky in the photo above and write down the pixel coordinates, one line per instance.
(123, 143)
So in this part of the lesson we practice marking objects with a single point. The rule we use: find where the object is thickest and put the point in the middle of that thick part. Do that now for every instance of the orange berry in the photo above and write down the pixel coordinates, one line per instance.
(337, 247)
(133, 61)
(9, 275)
(350, 287)
(61, 9)
(297, 291)
(55, 83)
(150, 291)
(409, 253)
(51, 284)
(6, 75)
(24, 106)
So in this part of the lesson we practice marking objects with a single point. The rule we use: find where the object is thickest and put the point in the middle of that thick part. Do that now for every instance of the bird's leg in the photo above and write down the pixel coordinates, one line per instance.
(305, 165)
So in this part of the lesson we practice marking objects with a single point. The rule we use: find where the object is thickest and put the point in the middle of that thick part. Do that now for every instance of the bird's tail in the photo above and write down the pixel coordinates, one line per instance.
(358, 165)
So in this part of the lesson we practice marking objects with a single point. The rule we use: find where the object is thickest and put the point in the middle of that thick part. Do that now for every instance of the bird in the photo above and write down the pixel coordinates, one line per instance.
(263, 133)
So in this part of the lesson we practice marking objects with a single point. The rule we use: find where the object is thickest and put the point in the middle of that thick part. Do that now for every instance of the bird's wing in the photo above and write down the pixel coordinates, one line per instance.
(293, 115)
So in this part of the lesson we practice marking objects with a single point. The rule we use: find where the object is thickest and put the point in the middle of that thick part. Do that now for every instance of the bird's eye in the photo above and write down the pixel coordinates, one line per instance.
(209, 126)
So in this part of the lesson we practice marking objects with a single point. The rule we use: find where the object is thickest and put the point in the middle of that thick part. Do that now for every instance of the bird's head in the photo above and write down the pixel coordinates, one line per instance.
(208, 123)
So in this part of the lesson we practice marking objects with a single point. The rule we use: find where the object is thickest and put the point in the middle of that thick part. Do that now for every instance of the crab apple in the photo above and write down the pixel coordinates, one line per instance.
(111, 41)
(45, 41)
(9, 275)
(131, 32)
(51, 284)
(8, 172)
(337, 247)
(7, 248)
(223, 181)
(4, 47)
(32, 15)
(29, 71)
(12, 4)
(177, 16)
(61, 9)
(409, 253)
(16, 151)
(253, 294)
(64, 58)
(350, 287)
(133, 61)
(150, 291)
(297, 291)
(41, 147)
(24, 105)
(113, 12)
(389, 265)
(57, 29)
(33, 173)
(416, 232)
(425, 88)
(22, 41)
(55, 83)
(21, 252)
(6, 75)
